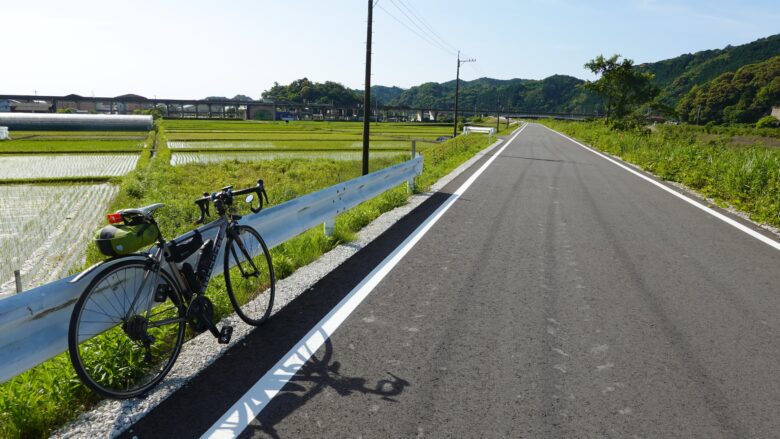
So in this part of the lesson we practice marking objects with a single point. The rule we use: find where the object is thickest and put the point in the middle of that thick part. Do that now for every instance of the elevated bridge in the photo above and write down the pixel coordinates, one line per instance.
(256, 110)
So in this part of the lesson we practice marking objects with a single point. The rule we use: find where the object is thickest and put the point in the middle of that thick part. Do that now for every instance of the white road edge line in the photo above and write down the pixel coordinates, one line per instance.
(765, 239)
(249, 406)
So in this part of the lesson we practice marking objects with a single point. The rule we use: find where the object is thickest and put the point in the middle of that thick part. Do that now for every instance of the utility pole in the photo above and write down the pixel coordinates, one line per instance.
(457, 86)
(498, 113)
(367, 92)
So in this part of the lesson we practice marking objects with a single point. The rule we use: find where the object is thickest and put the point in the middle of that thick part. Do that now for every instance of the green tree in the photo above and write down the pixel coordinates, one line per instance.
(305, 91)
(156, 113)
(623, 88)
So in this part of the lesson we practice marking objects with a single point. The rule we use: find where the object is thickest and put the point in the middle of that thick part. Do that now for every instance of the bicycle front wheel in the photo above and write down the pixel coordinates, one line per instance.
(126, 329)
(249, 275)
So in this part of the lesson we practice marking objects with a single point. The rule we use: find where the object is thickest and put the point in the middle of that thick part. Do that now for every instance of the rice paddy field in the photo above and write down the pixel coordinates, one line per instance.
(304, 145)
(44, 229)
(214, 141)
(183, 158)
(54, 166)
(219, 130)
(41, 142)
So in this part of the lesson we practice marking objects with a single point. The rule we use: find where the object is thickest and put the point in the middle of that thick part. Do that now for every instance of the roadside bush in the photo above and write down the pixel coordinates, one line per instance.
(768, 122)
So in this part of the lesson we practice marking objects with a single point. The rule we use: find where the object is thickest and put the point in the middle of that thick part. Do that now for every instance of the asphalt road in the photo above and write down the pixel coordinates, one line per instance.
(560, 296)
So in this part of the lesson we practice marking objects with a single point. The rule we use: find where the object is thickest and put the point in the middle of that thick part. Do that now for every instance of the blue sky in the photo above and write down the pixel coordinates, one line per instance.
(198, 48)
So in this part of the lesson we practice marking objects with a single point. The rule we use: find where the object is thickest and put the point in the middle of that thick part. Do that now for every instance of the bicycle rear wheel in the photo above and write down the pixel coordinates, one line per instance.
(249, 275)
(116, 347)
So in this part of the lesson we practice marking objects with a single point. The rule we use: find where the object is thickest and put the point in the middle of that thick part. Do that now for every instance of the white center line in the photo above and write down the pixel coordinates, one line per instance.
(238, 417)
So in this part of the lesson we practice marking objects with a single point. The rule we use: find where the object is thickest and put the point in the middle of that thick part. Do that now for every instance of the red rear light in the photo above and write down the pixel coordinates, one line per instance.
(114, 218)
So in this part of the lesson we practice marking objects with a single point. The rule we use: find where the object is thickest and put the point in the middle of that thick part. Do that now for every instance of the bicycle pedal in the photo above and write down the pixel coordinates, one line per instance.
(225, 334)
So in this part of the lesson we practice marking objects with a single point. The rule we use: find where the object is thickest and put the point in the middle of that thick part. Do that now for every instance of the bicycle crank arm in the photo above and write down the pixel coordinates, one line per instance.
(223, 336)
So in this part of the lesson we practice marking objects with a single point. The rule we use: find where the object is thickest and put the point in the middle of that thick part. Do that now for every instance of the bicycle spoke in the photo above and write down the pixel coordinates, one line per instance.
(127, 359)
(248, 276)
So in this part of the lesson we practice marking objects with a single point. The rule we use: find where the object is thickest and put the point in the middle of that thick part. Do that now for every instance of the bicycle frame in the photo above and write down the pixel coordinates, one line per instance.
(164, 288)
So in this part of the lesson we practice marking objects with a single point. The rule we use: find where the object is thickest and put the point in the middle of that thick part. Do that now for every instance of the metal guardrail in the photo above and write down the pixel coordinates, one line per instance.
(474, 129)
(34, 324)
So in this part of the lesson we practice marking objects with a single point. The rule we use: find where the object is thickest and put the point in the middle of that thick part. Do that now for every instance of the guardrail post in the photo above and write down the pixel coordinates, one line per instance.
(17, 275)
(410, 181)
(329, 227)
(18, 279)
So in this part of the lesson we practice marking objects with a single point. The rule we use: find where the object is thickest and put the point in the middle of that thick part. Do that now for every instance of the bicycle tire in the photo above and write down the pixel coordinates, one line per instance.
(251, 290)
(109, 361)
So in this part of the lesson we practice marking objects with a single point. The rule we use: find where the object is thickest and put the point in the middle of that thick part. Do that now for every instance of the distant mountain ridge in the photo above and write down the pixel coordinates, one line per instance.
(557, 93)
(676, 76)
(561, 93)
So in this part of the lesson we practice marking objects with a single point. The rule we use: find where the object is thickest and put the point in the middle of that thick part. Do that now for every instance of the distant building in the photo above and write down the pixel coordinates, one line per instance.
(74, 102)
(775, 112)
(129, 103)
(30, 107)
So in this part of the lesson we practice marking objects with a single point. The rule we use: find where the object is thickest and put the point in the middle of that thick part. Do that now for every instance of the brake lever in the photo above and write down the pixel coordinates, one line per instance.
(260, 191)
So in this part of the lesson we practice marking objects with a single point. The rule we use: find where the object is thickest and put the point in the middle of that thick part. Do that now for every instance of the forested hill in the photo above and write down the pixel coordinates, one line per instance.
(676, 76)
(383, 94)
(735, 97)
(558, 93)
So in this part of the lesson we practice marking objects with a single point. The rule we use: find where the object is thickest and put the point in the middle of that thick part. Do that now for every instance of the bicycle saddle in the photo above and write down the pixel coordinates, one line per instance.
(146, 211)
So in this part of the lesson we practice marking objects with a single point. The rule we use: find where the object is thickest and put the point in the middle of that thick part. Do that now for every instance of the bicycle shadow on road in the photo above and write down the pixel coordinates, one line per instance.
(215, 389)
(321, 372)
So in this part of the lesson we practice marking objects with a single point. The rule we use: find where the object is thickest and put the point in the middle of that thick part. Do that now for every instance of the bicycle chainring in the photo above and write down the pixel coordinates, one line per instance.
(200, 313)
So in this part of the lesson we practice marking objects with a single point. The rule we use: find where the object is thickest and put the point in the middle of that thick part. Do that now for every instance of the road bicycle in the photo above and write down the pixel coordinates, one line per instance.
(128, 326)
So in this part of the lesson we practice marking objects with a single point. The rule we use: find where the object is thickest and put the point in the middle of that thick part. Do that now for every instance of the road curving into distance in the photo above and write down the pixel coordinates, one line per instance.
(558, 295)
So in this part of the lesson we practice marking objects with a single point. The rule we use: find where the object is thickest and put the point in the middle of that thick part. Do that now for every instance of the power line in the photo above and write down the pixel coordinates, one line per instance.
(428, 35)
(417, 16)
(414, 31)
